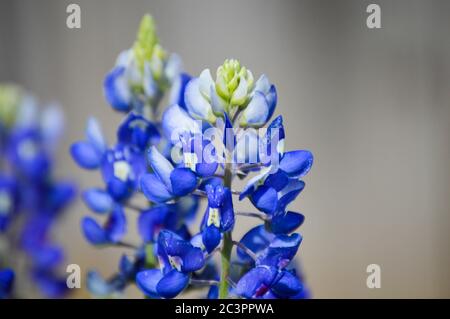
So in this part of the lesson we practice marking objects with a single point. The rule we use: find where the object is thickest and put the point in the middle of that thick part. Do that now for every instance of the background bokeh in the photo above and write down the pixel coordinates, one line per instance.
(372, 105)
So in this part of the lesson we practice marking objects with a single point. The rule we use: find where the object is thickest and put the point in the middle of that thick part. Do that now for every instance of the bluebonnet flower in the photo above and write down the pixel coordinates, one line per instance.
(30, 196)
(178, 258)
(219, 216)
(213, 130)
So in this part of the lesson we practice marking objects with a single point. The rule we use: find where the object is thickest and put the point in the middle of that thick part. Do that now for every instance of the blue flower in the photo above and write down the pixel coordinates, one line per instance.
(111, 232)
(27, 153)
(178, 258)
(265, 282)
(6, 282)
(89, 154)
(166, 182)
(122, 168)
(199, 155)
(137, 131)
(219, 216)
(270, 278)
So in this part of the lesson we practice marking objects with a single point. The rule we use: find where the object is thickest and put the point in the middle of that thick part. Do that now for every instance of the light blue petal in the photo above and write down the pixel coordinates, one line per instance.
(86, 155)
(176, 121)
(98, 200)
(161, 166)
(154, 189)
(197, 106)
(257, 111)
(95, 136)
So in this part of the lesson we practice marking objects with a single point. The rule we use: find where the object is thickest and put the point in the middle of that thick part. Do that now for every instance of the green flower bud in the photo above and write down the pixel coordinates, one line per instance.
(234, 84)
(146, 41)
(9, 103)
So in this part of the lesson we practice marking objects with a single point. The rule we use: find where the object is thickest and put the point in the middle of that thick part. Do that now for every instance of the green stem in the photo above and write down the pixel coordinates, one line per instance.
(227, 246)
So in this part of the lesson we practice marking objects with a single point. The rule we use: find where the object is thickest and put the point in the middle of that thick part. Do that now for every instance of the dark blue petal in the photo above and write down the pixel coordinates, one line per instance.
(256, 282)
(265, 199)
(213, 292)
(211, 237)
(183, 181)
(116, 89)
(193, 259)
(154, 189)
(118, 189)
(172, 283)
(148, 280)
(98, 200)
(289, 193)
(6, 282)
(93, 232)
(285, 223)
(277, 180)
(271, 98)
(227, 212)
(297, 163)
(256, 239)
(280, 252)
(86, 155)
(287, 286)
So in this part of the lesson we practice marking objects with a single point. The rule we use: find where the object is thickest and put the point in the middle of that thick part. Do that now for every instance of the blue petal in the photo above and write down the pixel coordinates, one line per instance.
(256, 282)
(172, 284)
(287, 286)
(227, 212)
(86, 155)
(277, 180)
(297, 163)
(289, 193)
(98, 200)
(161, 166)
(118, 189)
(286, 223)
(271, 100)
(213, 292)
(256, 239)
(154, 189)
(148, 280)
(116, 89)
(193, 259)
(94, 135)
(281, 251)
(93, 232)
(6, 282)
(265, 199)
(211, 237)
(183, 181)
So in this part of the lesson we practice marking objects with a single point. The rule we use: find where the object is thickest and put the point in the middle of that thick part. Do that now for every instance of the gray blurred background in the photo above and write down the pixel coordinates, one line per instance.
(372, 105)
